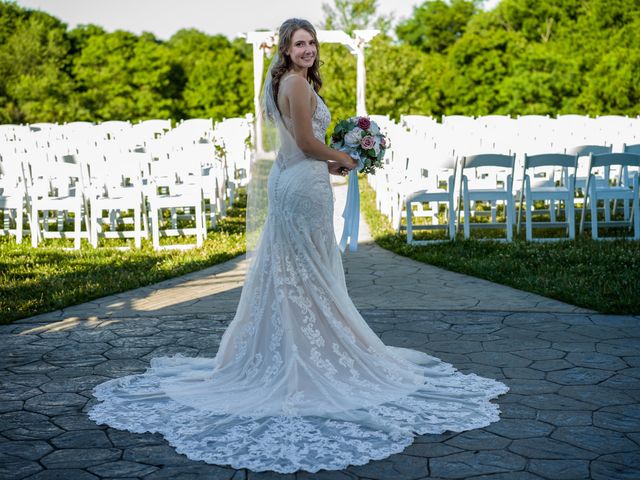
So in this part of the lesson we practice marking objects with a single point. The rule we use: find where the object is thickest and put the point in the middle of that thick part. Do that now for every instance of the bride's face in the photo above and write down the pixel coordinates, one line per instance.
(302, 50)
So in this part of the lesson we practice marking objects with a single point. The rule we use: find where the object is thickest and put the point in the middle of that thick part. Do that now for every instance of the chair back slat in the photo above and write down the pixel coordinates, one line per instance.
(631, 148)
(550, 160)
(609, 159)
(488, 160)
(584, 150)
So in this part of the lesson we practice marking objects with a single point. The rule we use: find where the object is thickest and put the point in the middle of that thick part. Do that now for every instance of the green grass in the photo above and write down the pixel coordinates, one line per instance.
(48, 278)
(599, 275)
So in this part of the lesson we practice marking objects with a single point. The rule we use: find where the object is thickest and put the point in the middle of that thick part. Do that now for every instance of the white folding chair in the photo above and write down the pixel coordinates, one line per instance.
(551, 178)
(59, 186)
(13, 194)
(628, 172)
(235, 134)
(116, 190)
(213, 177)
(488, 178)
(439, 187)
(176, 184)
(602, 175)
(615, 191)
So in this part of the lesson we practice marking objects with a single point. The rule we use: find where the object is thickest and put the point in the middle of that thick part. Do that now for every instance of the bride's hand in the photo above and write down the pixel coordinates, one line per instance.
(336, 168)
(347, 161)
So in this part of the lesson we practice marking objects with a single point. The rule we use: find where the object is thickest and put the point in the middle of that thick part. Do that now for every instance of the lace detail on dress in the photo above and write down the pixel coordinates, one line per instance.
(300, 381)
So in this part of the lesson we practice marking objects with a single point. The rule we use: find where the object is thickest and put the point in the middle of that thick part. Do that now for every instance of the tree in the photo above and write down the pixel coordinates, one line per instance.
(402, 80)
(350, 15)
(436, 25)
(35, 84)
(122, 76)
(220, 85)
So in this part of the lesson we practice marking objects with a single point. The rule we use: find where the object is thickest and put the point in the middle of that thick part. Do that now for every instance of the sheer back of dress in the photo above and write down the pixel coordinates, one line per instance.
(288, 151)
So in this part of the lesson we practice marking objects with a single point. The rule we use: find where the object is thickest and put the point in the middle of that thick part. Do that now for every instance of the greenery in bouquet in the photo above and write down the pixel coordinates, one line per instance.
(361, 138)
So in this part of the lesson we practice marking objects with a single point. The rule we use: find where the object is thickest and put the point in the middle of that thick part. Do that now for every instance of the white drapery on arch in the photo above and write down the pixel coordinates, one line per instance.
(262, 41)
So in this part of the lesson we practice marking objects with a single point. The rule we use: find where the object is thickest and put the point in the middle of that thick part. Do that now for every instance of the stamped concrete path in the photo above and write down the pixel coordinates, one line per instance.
(573, 410)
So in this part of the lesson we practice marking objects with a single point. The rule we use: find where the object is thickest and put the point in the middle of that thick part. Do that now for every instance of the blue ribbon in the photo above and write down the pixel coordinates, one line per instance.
(351, 213)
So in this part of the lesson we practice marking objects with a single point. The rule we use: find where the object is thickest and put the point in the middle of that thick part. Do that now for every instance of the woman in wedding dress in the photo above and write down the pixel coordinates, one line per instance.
(300, 381)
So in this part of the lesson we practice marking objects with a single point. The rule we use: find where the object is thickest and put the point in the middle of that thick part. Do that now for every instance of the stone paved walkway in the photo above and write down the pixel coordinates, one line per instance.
(573, 410)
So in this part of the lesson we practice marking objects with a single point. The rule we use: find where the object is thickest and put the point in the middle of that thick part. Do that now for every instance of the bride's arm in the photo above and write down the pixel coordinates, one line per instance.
(298, 95)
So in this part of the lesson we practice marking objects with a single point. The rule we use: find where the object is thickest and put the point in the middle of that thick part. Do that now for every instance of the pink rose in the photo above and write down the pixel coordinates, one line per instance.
(364, 123)
(383, 142)
(367, 142)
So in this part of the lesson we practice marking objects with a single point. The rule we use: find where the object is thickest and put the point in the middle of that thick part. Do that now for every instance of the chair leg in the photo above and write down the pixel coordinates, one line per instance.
(19, 225)
(635, 204)
(155, 229)
(519, 219)
(95, 226)
(137, 228)
(625, 210)
(509, 220)
(528, 220)
(409, 223)
(77, 228)
(571, 217)
(452, 220)
(35, 227)
(61, 217)
(594, 216)
(199, 226)
(145, 220)
(467, 218)
(174, 218)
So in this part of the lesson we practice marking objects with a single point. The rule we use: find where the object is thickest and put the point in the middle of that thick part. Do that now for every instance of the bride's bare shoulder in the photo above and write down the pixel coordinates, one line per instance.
(294, 85)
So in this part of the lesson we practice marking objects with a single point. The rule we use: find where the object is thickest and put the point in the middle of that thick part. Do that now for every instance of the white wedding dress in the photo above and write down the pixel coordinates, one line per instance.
(300, 381)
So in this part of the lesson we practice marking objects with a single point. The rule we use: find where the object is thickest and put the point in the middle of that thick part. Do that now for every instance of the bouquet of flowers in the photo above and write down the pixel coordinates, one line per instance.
(361, 138)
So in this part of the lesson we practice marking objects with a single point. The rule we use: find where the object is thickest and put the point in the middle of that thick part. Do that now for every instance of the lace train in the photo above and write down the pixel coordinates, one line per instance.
(286, 444)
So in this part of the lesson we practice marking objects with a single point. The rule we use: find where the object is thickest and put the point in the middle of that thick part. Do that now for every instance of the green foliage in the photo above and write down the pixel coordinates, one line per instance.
(220, 85)
(436, 25)
(350, 15)
(121, 76)
(34, 82)
(339, 78)
(402, 80)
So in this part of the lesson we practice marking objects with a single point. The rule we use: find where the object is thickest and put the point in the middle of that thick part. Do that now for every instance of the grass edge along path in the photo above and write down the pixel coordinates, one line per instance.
(34, 281)
(599, 275)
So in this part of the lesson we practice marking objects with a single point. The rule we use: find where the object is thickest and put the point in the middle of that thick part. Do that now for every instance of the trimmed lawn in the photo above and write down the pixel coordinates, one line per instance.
(599, 275)
(47, 278)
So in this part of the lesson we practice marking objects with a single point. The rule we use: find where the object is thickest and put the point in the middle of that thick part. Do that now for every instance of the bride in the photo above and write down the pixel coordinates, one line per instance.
(300, 381)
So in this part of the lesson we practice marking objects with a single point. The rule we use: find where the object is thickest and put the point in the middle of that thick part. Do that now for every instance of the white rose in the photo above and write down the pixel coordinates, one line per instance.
(352, 138)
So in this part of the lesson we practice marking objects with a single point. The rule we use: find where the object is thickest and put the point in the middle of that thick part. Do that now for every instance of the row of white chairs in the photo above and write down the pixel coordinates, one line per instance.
(427, 166)
(84, 175)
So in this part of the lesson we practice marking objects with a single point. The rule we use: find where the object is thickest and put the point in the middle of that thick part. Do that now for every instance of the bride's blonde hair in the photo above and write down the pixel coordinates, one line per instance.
(283, 64)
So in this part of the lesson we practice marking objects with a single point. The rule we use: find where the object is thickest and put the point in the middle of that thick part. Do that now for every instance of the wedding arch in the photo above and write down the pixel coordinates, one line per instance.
(263, 41)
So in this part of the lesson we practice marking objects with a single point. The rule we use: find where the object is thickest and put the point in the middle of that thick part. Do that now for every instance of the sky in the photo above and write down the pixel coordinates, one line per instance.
(228, 17)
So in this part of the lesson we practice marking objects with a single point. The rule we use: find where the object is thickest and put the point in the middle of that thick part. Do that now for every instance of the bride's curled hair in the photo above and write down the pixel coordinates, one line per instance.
(283, 63)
